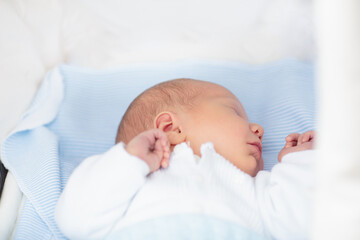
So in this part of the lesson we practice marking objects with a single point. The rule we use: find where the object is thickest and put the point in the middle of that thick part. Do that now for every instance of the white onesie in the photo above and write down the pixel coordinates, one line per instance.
(114, 190)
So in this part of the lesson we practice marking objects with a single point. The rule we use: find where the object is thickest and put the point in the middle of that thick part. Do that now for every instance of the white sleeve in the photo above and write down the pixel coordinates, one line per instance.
(98, 193)
(285, 196)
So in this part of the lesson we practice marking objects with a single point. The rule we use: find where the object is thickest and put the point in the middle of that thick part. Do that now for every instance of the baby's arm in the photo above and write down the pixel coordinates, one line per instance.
(285, 196)
(296, 142)
(286, 193)
(100, 190)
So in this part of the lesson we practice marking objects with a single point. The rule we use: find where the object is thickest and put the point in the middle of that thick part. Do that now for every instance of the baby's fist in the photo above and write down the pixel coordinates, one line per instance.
(153, 147)
(296, 142)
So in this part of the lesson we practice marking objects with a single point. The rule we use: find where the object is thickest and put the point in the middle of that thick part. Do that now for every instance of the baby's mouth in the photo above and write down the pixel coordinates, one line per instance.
(257, 145)
(256, 149)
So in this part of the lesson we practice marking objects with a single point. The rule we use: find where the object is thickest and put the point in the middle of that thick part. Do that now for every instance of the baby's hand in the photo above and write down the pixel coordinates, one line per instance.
(153, 147)
(296, 142)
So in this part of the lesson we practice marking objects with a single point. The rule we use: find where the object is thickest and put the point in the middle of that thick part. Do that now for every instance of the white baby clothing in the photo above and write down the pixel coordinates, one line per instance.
(114, 190)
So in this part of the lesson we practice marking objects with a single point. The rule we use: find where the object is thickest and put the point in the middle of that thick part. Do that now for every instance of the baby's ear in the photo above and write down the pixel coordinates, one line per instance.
(168, 122)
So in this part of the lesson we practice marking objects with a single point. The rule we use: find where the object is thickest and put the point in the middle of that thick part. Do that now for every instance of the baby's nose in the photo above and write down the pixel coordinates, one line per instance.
(257, 129)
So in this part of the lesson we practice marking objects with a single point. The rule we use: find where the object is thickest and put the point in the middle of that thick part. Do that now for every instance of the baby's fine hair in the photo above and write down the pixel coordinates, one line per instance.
(164, 96)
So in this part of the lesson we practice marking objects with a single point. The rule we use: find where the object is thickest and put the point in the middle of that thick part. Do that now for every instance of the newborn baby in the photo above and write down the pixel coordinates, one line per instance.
(198, 113)
(183, 147)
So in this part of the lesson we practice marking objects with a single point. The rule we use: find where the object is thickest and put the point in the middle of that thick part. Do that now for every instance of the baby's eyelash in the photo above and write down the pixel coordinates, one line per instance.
(236, 111)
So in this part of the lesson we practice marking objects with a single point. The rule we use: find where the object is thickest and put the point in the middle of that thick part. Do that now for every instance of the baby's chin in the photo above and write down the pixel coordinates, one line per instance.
(258, 166)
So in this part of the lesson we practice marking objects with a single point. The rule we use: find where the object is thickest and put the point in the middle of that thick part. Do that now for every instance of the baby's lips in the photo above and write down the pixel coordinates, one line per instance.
(258, 145)
(256, 150)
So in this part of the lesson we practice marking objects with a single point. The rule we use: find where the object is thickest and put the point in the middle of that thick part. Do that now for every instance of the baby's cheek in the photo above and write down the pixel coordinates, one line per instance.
(261, 164)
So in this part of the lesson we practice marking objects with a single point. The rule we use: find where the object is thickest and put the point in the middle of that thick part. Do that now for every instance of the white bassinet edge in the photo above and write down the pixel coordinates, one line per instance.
(10, 205)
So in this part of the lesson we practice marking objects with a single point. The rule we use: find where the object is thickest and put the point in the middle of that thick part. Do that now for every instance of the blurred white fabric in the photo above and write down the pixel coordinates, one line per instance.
(37, 35)
(337, 209)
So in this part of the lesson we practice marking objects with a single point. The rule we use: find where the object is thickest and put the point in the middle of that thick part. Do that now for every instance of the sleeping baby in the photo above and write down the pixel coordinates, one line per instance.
(187, 147)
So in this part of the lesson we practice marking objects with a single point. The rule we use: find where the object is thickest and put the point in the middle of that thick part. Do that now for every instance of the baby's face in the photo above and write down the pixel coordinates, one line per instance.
(219, 117)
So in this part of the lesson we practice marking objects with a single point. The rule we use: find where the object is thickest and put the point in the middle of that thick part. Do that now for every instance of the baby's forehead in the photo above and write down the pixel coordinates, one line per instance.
(219, 93)
(224, 97)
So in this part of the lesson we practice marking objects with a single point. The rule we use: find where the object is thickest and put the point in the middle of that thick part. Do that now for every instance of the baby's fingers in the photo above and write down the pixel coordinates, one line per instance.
(290, 144)
(306, 137)
(165, 163)
(161, 148)
(309, 136)
(291, 140)
(166, 153)
(292, 137)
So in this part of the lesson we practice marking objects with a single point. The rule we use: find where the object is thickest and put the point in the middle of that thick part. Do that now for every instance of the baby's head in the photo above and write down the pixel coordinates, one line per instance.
(196, 111)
